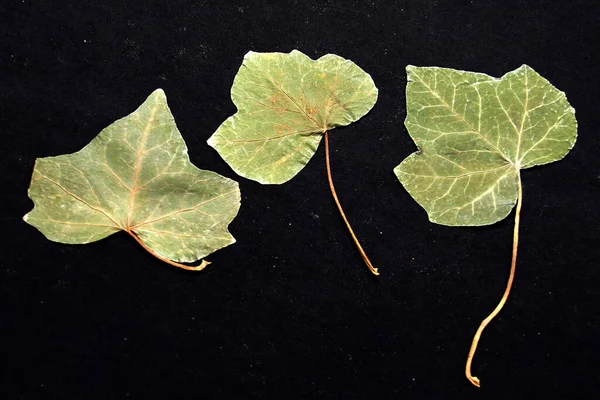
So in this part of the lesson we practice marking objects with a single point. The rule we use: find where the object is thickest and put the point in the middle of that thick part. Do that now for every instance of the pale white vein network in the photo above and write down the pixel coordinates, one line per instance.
(475, 134)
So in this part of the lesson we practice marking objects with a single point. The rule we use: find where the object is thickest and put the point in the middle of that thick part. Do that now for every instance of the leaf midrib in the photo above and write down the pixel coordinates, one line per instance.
(140, 153)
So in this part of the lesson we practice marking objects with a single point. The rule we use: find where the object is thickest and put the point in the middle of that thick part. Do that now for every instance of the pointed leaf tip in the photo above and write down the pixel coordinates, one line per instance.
(157, 95)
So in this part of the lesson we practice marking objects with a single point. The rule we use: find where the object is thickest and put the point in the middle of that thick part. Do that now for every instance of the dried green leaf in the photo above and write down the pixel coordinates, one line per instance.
(286, 102)
(475, 133)
(135, 176)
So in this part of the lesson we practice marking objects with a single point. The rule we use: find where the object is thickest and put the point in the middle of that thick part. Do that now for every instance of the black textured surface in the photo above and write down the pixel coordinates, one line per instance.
(290, 311)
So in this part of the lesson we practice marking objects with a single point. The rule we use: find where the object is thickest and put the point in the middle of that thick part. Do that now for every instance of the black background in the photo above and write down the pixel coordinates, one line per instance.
(290, 311)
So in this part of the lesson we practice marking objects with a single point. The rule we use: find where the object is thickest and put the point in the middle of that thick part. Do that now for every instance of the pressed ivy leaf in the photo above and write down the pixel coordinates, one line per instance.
(475, 134)
(136, 176)
(286, 103)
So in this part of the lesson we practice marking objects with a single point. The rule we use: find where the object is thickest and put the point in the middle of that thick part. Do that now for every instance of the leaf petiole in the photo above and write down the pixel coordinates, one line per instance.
(337, 202)
(200, 267)
(473, 379)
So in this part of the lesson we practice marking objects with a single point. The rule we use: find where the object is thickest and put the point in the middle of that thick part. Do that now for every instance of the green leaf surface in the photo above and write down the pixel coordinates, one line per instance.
(135, 176)
(285, 104)
(475, 133)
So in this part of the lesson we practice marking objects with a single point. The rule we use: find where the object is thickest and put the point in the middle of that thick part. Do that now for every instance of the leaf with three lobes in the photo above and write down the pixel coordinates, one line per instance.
(286, 103)
(136, 176)
(475, 134)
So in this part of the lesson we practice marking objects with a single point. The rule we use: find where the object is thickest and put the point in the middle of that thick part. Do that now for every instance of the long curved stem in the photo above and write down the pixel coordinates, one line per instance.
(200, 267)
(473, 379)
(337, 201)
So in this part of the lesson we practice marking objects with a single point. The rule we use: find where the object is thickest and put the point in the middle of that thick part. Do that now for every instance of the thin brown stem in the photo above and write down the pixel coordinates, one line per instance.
(360, 249)
(473, 379)
(200, 267)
